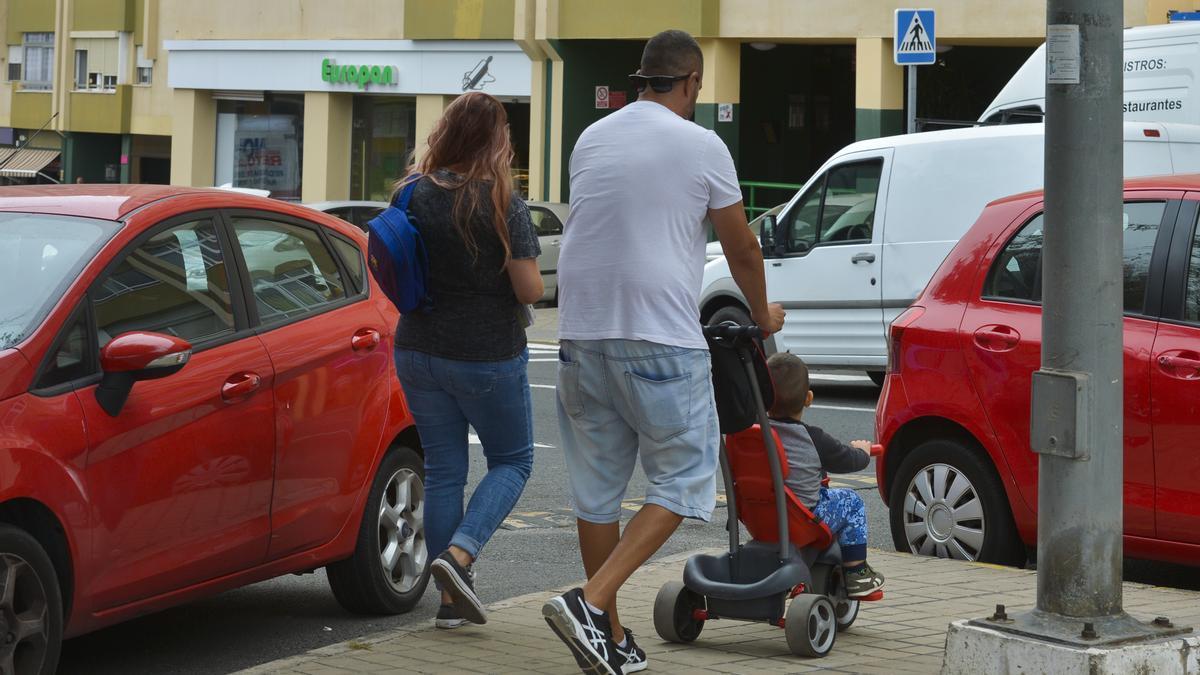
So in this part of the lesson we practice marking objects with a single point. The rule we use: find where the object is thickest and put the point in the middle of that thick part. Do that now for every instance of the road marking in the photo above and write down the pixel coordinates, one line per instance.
(543, 386)
(843, 407)
(472, 439)
(543, 360)
(831, 377)
(565, 516)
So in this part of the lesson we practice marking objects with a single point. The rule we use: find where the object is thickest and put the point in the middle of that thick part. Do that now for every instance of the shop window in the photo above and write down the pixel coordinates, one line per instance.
(38, 57)
(382, 141)
(260, 144)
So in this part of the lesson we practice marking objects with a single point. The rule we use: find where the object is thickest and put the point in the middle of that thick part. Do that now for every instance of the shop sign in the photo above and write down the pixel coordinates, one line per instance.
(361, 75)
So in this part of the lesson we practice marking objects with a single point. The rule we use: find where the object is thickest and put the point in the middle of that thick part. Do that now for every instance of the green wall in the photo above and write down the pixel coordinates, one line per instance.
(588, 64)
(29, 16)
(870, 123)
(88, 154)
(706, 116)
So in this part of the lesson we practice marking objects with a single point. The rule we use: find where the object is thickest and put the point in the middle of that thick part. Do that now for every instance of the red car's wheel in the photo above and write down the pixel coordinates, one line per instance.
(31, 611)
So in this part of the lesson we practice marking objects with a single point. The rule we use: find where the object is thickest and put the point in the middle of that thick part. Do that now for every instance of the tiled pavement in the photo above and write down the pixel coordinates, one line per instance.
(904, 633)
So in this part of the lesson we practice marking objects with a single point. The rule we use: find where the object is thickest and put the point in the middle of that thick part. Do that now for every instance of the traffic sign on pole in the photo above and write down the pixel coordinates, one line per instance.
(915, 41)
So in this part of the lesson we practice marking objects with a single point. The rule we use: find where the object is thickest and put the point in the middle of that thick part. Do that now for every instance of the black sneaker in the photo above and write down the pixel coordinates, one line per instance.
(635, 657)
(459, 582)
(448, 617)
(587, 634)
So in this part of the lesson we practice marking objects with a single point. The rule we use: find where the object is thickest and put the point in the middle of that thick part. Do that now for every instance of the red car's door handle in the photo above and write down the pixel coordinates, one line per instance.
(365, 340)
(1181, 365)
(239, 386)
(996, 338)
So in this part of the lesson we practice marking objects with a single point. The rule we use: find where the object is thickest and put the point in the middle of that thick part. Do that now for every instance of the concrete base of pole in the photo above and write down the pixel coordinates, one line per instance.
(973, 648)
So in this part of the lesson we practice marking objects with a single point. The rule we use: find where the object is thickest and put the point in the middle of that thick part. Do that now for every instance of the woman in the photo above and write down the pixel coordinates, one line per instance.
(463, 363)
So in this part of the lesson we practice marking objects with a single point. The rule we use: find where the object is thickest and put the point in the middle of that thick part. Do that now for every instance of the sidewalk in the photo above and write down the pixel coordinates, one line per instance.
(904, 633)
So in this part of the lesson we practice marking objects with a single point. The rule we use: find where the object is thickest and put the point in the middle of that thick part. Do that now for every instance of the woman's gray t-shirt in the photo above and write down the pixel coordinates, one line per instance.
(474, 315)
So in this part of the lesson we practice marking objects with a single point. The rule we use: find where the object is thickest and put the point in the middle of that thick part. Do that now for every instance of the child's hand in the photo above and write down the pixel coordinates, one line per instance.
(865, 446)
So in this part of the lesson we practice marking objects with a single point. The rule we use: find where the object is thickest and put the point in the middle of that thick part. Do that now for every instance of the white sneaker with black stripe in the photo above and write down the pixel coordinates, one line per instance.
(586, 633)
(635, 657)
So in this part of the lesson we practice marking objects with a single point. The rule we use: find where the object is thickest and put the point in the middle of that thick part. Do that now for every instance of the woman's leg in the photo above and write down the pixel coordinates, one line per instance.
(443, 431)
(503, 419)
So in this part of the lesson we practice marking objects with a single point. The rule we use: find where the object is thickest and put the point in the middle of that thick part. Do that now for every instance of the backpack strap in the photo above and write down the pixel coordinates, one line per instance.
(405, 195)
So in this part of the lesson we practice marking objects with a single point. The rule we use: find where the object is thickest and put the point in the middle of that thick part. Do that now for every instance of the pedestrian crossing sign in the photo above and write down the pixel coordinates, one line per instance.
(915, 44)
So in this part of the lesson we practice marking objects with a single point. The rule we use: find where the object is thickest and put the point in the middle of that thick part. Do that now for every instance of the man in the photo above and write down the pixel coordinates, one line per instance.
(634, 370)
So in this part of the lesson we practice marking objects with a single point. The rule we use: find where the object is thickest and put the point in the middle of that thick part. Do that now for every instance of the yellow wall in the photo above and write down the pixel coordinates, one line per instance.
(281, 19)
(29, 16)
(459, 19)
(327, 121)
(429, 110)
(879, 82)
(636, 19)
(103, 15)
(99, 112)
(31, 109)
(722, 71)
(193, 138)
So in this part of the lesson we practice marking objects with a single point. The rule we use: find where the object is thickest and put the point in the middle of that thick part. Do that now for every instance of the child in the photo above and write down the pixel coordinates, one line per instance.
(810, 454)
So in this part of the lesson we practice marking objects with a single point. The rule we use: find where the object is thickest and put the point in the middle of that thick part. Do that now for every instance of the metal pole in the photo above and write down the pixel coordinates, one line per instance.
(1080, 473)
(912, 99)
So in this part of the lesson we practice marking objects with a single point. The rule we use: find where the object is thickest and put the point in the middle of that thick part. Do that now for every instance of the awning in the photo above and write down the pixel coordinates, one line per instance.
(26, 163)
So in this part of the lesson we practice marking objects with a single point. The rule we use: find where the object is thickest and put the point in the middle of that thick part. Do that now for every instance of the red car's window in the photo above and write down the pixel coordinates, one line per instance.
(292, 273)
(1191, 298)
(1017, 272)
(174, 283)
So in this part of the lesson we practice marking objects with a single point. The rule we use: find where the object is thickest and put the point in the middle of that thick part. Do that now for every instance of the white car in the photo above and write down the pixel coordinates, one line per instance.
(353, 212)
(712, 250)
(548, 219)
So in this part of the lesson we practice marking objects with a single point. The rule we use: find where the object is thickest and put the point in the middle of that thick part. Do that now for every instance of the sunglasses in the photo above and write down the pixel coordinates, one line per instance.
(659, 83)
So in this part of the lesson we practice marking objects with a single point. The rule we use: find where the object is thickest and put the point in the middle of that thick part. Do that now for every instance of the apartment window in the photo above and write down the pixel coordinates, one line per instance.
(14, 62)
(38, 61)
(144, 70)
(97, 61)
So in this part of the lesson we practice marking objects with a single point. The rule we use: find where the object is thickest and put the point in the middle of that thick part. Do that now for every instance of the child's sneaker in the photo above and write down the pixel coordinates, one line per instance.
(448, 617)
(863, 582)
(635, 656)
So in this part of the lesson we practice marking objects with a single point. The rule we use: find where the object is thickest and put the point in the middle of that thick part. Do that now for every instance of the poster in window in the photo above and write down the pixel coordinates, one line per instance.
(268, 155)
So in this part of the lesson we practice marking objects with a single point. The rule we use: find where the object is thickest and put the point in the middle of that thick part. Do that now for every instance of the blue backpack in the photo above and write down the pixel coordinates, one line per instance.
(396, 255)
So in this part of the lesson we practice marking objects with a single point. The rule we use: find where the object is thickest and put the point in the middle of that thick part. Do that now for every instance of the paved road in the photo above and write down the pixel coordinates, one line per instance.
(536, 550)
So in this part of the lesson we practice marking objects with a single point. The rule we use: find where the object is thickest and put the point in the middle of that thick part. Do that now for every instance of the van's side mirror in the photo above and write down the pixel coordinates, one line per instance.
(766, 236)
(135, 356)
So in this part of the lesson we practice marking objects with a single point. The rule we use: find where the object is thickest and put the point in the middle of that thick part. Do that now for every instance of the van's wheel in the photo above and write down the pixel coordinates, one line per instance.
(877, 376)
(389, 570)
(828, 580)
(674, 613)
(811, 625)
(948, 502)
(31, 609)
(734, 313)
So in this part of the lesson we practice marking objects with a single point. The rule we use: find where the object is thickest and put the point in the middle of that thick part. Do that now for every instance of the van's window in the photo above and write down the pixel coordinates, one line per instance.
(1026, 114)
(1017, 272)
(838, 209)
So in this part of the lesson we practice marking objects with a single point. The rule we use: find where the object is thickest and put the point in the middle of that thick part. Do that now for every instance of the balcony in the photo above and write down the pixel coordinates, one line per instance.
(101, 112)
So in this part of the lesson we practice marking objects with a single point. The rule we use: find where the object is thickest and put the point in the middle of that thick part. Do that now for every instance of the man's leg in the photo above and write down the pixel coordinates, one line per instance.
(596, 544)
(644, 535)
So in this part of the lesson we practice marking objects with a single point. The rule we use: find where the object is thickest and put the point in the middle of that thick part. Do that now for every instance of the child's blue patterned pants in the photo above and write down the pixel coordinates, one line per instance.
(845, 514)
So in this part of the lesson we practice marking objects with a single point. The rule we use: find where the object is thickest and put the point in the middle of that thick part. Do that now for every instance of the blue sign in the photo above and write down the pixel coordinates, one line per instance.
(915, 42)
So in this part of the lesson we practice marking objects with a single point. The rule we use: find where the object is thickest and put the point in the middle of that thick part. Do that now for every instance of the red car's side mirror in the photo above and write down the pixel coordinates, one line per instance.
(134, 356)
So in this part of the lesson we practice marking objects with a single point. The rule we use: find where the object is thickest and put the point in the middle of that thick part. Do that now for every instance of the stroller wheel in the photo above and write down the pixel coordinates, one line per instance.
(811, 625)
(828, 580)
(674, 618)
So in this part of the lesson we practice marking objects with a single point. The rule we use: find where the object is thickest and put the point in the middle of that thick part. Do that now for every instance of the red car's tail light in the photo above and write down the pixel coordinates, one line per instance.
(897, 332)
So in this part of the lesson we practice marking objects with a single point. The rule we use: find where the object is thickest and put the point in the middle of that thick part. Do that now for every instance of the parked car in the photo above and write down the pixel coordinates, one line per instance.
(713, 250)
(548, 219)
(196, 393)
(355, 212)
(954, 417)
(861, 239)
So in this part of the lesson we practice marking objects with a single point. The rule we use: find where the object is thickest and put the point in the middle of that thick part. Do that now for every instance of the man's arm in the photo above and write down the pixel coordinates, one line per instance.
(746, 264)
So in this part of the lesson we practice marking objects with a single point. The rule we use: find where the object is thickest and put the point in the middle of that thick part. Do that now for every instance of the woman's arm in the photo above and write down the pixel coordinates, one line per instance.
(526, 280)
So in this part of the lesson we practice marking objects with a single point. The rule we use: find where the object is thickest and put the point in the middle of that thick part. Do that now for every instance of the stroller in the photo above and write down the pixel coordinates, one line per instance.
(792, 554)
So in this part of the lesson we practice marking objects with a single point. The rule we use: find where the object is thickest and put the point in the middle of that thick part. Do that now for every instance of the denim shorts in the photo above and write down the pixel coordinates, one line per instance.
(621, 398)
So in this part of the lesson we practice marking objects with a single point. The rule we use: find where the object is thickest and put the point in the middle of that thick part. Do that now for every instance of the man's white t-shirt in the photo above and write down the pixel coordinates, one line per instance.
(632, 256)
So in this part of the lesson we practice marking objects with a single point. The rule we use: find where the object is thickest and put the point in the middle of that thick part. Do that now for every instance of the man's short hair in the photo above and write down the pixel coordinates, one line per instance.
(790, 375)
(672, 52)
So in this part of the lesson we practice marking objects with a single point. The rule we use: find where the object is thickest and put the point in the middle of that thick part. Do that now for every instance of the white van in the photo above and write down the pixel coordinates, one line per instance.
(864, 235)
(1160, 66)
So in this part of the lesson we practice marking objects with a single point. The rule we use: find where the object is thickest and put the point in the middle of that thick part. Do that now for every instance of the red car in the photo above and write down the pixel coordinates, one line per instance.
(958, 474)
(196, 393)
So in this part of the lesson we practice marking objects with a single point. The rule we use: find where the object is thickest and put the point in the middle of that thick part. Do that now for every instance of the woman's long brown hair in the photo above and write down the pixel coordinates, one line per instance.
(471, 139)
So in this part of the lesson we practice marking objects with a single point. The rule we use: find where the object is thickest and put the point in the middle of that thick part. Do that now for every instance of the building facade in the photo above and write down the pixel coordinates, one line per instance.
(326, 100)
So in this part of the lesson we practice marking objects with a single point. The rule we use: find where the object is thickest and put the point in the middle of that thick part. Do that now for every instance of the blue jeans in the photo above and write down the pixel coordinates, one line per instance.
(446, 395)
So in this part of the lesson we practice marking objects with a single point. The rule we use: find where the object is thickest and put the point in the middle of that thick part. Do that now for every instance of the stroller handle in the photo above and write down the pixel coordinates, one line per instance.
(732, 331)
